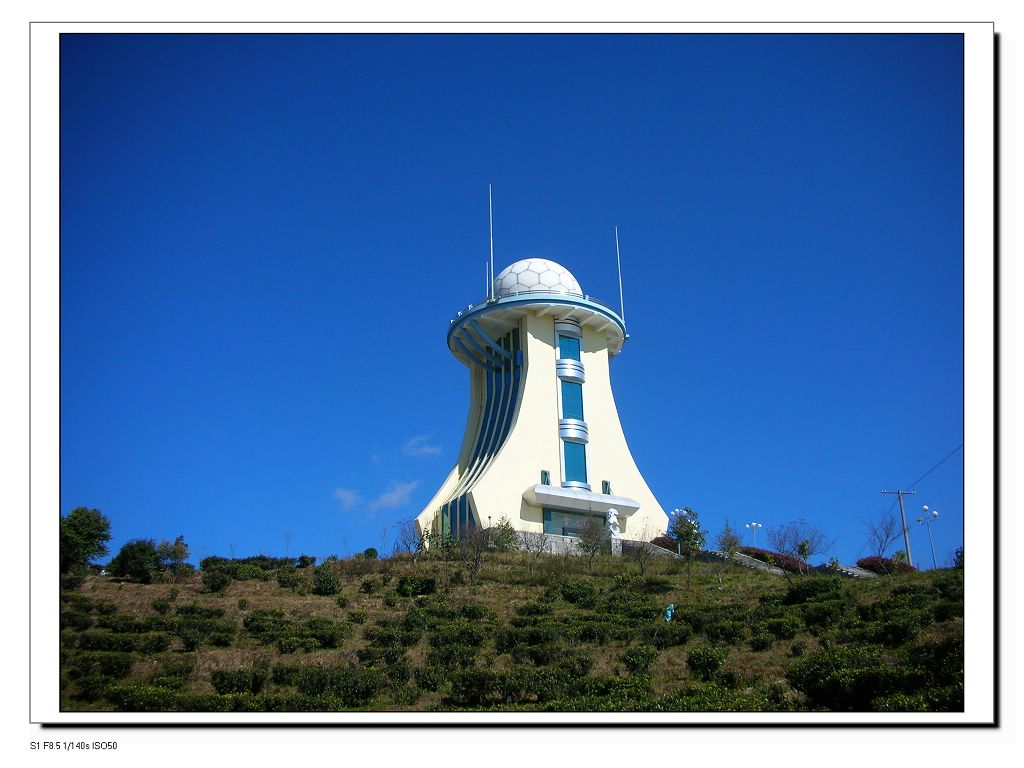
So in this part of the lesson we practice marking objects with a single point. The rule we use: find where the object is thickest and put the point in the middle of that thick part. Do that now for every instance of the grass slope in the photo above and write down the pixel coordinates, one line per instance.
(405, 637)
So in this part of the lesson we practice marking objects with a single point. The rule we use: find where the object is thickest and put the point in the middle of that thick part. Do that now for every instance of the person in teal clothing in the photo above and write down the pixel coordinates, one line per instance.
(669, 611)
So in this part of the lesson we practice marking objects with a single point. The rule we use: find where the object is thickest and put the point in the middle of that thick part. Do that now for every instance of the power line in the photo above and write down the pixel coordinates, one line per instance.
(944, 460)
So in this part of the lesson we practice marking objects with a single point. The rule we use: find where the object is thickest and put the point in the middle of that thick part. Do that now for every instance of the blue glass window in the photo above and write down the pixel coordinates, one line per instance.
(575, 462)
(568, 347)
(572, 400)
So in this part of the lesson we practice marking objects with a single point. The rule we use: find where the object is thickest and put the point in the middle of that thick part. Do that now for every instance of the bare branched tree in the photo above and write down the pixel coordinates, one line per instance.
(535, 544)
(882, 534)
(592, 539)
(472, 546)
(800, 540)
(642, 551)
(410, 540)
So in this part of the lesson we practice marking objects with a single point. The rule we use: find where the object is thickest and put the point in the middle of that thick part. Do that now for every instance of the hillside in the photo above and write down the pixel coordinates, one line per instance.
(404, 636)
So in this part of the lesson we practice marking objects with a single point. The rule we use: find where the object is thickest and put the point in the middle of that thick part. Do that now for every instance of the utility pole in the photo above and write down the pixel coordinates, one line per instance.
(903, 516)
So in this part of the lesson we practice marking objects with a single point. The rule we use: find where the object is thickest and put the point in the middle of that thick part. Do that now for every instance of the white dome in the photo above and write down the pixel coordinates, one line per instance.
(535, 276)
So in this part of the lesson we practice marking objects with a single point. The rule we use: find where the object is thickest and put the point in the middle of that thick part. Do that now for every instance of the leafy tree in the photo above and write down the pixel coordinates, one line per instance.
(305, 561)
(689, 536)
(504, 537)
(173, 557)
(445, 546)
(958, 558)
(325, 580)
(728, 542)
(370, 553)
(84, 534)
(138, 559)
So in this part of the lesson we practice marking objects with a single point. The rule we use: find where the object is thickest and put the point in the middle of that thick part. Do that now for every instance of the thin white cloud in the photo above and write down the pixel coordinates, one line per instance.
(418, 446)
(397, 495)
(346, 497)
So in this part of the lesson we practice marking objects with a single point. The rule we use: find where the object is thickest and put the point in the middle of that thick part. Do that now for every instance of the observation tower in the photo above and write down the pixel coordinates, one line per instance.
(543, 445)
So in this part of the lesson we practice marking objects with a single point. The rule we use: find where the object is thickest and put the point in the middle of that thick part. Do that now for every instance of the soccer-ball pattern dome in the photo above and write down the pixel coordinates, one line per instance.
(535, 276)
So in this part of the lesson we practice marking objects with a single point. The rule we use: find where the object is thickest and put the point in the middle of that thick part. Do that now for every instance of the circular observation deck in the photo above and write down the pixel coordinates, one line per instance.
(541, 285)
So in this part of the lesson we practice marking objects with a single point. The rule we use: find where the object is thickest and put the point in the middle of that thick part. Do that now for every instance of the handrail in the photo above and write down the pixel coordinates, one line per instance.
(539, 291)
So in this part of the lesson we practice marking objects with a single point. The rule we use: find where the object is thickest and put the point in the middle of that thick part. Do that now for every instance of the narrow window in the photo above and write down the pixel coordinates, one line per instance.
(606, 487)
(545, 477)
(568, 347)
(572, 400)
(575, 462)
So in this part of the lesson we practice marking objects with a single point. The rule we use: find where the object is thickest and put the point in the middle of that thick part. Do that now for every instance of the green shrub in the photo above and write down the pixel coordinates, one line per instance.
(413, 586)
(731, 632)
(368, 586)
(161, 606)
(825, 613)
(114, 664)
(106, 608)
(353, 687)
(153, 642)
(813, 588)
(848, 677)
(370, 553)
(783, 627)
(76, 620)
(267, 625)
(580, 592)
(216, 580)
(705, 662)
(294, 643)
(761, 641)
(664, 634)
(101, 640)
(476, 612)
(288, 577)
(327, 633)
(250, 680)
(429, 678)
(357, 617)
(325, 580)
(640, 659)
(453, 655)
(93, 687)
(342, 601)
(798, 649)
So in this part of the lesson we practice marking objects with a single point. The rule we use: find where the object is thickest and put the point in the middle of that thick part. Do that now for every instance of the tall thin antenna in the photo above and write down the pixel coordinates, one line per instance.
(490, 216)
(618, 260)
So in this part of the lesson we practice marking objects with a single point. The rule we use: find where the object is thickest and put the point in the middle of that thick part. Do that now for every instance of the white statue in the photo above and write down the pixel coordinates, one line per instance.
(612, 521)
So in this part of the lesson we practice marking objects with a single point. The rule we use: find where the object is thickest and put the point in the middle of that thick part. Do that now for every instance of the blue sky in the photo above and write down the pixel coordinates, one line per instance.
(263, 239)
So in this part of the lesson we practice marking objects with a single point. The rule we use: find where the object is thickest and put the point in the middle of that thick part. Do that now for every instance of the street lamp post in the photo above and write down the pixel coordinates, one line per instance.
(753, 530)
(926, 519)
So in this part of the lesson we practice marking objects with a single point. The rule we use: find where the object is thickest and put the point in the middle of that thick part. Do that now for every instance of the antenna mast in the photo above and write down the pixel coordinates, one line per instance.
(618, 260)
(490, 224)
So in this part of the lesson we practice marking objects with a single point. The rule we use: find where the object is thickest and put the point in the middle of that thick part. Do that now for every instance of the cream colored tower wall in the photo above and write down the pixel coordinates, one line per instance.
(608, 455)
